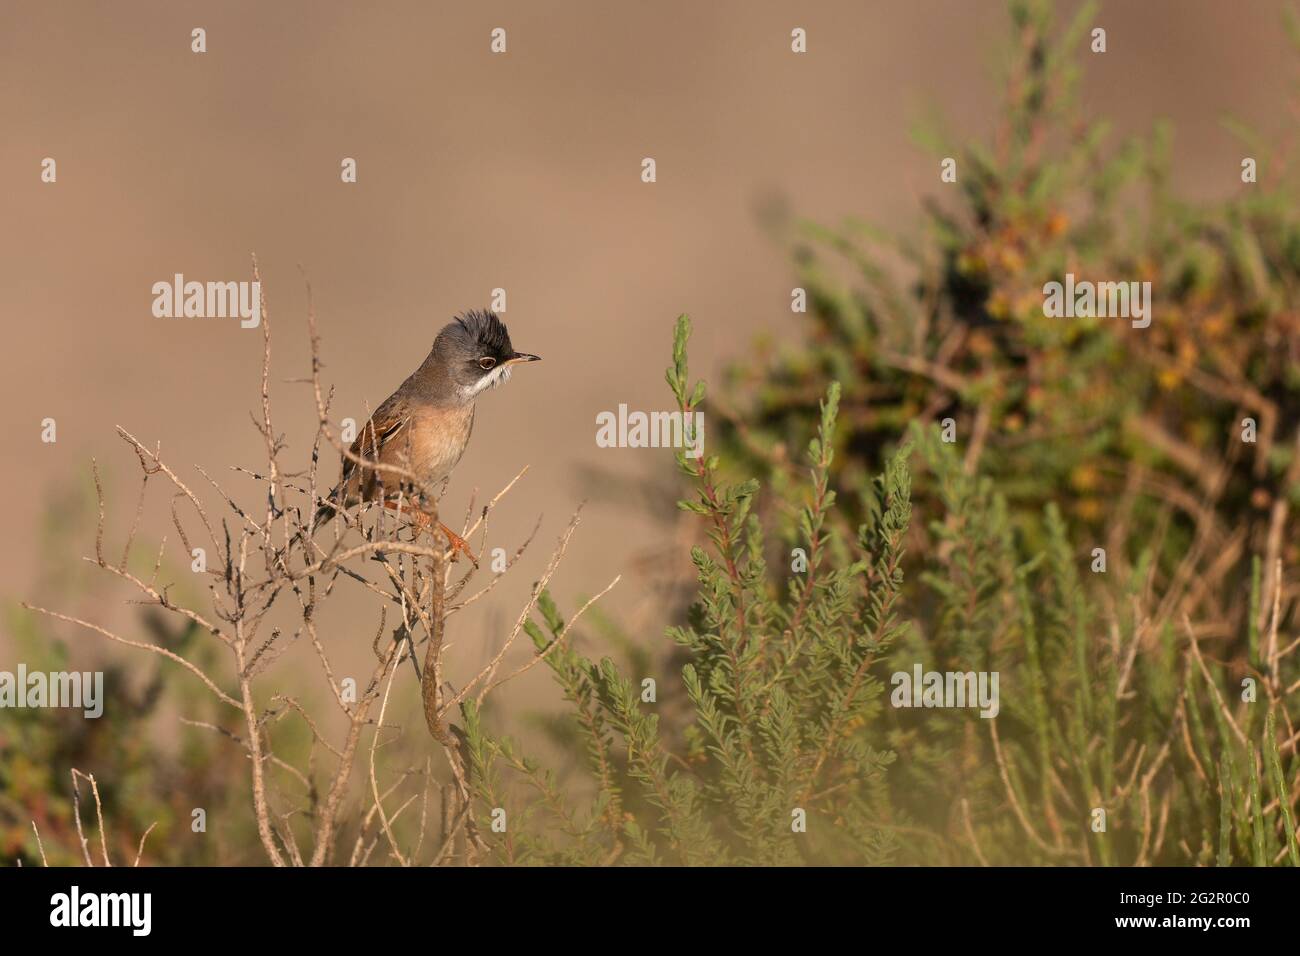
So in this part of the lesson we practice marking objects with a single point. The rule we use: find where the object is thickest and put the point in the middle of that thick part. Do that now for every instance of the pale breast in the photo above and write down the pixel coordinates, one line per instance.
(438, 437)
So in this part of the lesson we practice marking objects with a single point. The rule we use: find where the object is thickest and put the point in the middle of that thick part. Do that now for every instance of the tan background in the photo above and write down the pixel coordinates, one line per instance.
(477, 171)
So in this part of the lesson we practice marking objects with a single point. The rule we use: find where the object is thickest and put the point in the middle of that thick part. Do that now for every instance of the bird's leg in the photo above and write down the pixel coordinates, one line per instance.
(423, 520)
(458, 544)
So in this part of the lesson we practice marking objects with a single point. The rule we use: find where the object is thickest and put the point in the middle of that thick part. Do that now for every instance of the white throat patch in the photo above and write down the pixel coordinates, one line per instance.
(492, 379)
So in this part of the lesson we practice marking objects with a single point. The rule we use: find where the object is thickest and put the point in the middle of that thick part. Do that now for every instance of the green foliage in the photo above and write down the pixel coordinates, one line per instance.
(785, 719)
(141, 782)
(1101, 709)
(1123, 689)
(1134, 433)
(779, 681)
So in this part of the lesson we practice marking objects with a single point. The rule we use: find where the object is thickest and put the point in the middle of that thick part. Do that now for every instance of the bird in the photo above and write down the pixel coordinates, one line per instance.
(425, 425)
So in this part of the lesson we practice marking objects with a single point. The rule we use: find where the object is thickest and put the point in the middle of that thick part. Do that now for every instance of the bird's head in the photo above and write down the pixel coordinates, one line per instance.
(476, 353)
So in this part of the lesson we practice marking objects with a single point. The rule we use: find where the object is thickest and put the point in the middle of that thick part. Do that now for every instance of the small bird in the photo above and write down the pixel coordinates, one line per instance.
(425, 425)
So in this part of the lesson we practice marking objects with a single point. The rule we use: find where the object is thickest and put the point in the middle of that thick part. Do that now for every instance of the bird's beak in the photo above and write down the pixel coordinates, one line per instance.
(523, 357)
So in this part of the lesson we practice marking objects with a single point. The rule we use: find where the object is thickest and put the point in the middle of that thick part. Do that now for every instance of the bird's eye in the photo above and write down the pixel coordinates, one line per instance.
(486, 362)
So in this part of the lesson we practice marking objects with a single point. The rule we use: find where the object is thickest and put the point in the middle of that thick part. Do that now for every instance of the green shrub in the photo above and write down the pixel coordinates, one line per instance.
(1106, 716)
(1136, 434)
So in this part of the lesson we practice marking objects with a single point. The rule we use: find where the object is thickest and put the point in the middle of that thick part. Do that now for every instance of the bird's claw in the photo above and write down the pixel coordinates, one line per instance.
(458, 545)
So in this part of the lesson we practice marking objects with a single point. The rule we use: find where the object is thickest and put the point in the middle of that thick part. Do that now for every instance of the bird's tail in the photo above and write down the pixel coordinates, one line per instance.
(323, 513)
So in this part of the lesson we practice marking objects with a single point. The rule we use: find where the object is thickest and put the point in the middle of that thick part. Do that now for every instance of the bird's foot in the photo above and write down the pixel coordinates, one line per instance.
(458, 545)
(423, 522)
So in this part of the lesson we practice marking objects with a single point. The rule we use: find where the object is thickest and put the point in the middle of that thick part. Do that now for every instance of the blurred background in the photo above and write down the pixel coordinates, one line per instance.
(478, 171)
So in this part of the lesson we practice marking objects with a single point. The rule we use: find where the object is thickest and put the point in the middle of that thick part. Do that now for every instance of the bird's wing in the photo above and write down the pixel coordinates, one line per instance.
(386, 424)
